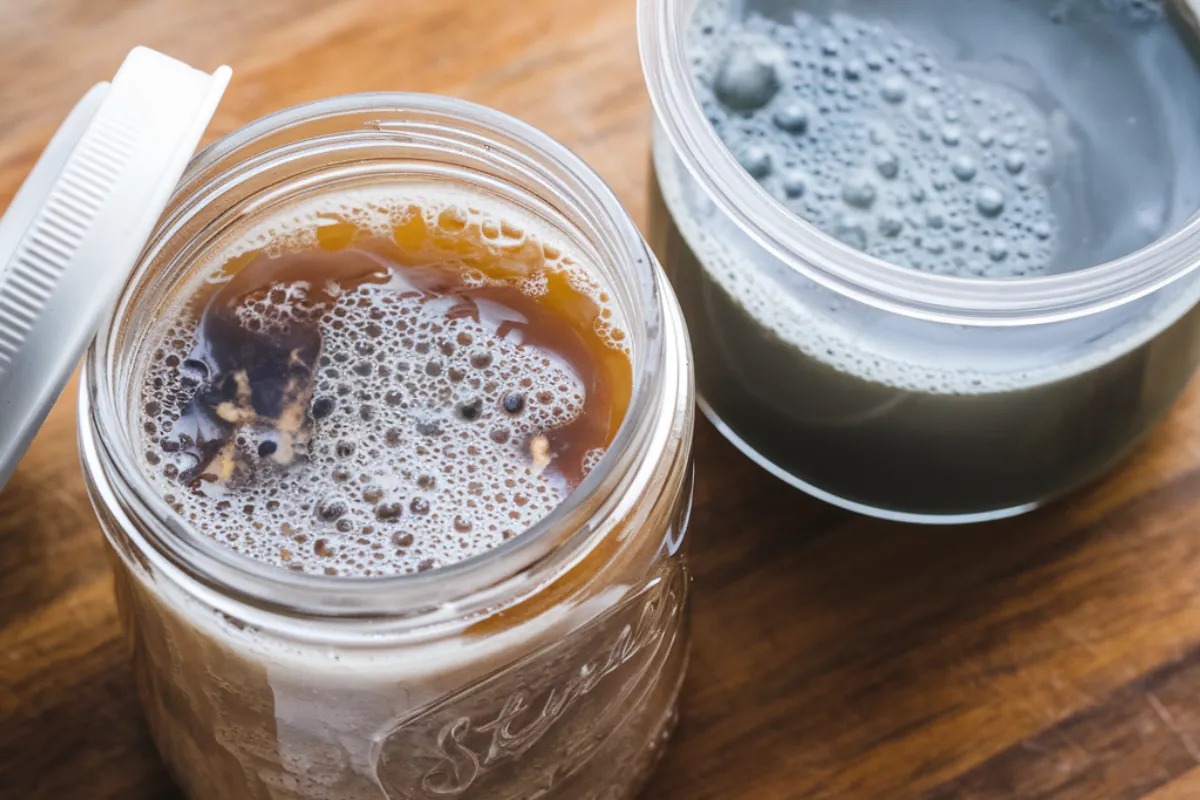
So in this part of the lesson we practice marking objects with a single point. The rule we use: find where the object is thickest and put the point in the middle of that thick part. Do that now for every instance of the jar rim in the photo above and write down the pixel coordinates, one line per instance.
(662, 36)
(110, 457)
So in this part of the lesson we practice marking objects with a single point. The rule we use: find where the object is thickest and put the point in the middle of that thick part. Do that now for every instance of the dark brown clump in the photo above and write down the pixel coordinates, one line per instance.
(249, 372)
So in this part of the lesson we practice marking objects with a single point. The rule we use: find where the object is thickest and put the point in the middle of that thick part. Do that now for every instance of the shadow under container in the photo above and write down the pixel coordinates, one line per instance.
(888, 391)
(549, 666)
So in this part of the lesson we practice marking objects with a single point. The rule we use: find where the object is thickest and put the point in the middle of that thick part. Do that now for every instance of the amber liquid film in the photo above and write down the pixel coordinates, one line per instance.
(381, 401)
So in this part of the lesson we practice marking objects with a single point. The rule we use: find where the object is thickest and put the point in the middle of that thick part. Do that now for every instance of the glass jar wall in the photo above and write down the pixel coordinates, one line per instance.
(938, 391)
(551, 662)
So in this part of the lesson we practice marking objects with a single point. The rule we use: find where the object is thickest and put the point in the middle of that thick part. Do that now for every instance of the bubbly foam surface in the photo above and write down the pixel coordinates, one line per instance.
(821, 326)
(935, 153)
(343, 402)
(807, 91)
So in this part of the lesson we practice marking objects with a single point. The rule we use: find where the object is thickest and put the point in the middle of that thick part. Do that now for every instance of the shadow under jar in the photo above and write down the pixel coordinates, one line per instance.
(931, 271)
(547, 665)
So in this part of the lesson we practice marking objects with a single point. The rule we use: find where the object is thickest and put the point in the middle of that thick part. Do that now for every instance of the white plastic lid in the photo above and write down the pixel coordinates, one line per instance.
(75, 228)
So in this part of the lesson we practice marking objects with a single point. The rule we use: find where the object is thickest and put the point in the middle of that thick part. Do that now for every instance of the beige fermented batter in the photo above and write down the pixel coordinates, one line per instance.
(565, 689)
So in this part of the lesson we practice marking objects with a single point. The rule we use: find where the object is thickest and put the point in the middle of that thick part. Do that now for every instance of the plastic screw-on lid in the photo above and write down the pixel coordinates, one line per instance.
(76, 227)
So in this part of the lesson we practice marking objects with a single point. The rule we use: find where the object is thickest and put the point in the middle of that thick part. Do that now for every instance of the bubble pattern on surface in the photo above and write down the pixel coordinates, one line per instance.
(868, 136)
(424, 424)
(826, 328)
(517, 238)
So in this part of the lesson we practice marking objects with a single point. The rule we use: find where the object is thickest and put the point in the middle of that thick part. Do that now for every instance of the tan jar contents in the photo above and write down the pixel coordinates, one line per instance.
(400, 387)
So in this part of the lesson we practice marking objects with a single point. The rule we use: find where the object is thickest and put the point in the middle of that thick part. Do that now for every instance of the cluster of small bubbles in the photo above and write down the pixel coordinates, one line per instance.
(592, 458)
(332, 222)
(423, 424)
(863, 132)
(275, 310)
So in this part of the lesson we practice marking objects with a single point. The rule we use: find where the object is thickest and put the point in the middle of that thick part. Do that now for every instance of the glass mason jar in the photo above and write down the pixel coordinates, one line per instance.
(902, 394)
(548, 666)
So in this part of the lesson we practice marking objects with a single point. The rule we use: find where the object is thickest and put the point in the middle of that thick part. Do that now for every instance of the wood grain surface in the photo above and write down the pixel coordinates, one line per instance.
(1055, 656)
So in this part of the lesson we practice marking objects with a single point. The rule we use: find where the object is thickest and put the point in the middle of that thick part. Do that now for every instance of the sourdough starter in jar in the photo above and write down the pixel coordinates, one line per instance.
(1003, 140)
(961, 142)
(385, 381)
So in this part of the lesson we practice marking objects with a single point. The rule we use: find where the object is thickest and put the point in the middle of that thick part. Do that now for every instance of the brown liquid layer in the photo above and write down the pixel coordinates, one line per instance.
(383, 404)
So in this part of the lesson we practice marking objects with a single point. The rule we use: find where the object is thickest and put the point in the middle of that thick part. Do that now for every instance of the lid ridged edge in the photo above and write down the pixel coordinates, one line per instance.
(76, 227)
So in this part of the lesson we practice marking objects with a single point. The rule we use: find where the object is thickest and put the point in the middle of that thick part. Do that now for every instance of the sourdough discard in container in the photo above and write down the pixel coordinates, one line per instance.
(934, 269)
(390, 435)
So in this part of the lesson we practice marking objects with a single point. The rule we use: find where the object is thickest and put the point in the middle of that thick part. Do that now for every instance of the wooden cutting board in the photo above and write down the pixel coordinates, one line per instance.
(1055, 656)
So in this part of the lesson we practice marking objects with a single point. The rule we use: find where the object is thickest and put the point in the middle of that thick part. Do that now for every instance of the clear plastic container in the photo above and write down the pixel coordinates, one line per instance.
(903, 394)
(549, 665)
